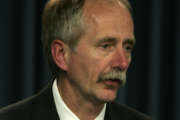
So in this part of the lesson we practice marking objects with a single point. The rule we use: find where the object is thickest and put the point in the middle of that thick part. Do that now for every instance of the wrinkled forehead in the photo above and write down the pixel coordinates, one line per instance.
(94, 4)
(95, 10)
(103, 4)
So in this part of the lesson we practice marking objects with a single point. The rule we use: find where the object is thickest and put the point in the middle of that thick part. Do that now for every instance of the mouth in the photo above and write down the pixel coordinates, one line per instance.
(113, 83)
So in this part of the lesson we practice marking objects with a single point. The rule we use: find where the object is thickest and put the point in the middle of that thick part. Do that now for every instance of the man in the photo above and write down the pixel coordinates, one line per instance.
(88, 44)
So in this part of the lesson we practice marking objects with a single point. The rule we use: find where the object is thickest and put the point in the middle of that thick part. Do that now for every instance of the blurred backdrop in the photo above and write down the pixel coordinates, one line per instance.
(153, 84)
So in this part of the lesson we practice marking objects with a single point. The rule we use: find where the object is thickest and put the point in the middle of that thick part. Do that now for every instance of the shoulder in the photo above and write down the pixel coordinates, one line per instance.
(124, 112)
(18, 110)
(26, 109)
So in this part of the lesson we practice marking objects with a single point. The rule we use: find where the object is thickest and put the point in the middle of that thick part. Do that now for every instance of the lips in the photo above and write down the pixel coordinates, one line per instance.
(113, 82)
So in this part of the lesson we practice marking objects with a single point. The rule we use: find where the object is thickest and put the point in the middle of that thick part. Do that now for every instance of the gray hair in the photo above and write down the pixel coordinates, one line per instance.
(62, 20)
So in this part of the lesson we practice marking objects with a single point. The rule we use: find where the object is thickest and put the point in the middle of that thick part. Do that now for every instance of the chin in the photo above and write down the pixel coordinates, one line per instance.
(108, 96)
(108, 100)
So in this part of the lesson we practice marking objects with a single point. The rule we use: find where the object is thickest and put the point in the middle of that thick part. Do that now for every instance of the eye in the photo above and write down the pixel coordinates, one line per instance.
(128, 48)
(105, 46)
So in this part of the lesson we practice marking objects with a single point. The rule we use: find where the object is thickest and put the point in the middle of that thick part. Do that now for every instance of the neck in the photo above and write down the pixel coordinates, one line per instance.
(83, 108)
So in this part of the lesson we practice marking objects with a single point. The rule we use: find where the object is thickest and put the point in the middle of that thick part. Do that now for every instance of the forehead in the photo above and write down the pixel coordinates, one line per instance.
(99, 5)
(99, 8)
(106, 16)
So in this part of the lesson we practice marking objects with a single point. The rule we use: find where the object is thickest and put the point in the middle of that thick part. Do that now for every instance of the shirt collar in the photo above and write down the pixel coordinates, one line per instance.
(63, 111)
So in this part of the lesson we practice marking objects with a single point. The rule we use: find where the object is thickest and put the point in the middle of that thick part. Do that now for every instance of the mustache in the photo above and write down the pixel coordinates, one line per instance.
(113, 75)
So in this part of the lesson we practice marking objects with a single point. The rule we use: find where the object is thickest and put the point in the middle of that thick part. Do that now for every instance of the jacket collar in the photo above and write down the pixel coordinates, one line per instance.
(49, 111)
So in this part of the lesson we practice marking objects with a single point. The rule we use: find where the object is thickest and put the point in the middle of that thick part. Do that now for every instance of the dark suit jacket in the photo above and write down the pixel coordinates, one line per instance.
(42, 107)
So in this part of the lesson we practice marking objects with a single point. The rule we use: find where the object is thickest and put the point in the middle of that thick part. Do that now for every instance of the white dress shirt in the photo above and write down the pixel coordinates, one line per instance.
(63, 111)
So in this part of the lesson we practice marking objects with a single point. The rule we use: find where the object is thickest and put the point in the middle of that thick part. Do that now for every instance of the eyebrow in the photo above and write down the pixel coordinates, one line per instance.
(130, 41)
(107, 39)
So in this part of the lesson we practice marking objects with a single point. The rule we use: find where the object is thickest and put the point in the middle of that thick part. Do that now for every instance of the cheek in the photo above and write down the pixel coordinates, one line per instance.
(129, 60)
(88, 65)
(81, 67)
(101, 64)
(78, 67)
(91, 66)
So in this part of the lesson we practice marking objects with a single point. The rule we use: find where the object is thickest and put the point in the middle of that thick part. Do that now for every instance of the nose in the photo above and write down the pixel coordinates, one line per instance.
(121, 61)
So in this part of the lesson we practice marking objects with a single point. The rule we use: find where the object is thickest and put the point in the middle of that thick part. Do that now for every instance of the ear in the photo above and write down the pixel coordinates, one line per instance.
(59, 51)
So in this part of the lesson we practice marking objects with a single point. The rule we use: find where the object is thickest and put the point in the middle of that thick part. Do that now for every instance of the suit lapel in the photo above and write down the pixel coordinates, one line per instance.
(107, 116)
(46, 107)
(110, 113)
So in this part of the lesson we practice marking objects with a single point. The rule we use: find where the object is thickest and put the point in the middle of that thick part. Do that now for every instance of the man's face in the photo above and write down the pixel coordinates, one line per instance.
(98, 66)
